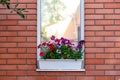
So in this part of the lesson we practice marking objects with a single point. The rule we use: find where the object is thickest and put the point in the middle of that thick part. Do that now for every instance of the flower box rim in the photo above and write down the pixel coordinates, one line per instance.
(61, 60)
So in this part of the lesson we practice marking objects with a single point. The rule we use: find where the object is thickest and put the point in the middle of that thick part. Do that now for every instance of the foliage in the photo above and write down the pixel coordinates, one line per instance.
(61, 49)
(18, 11)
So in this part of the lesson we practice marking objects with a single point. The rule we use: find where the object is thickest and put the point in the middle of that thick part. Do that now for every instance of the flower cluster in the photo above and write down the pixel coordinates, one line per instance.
(61, 49)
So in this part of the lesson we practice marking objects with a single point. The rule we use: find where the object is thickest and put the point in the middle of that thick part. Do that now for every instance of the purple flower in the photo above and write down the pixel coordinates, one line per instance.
(52, 37)
(58, 51)
(79, 46)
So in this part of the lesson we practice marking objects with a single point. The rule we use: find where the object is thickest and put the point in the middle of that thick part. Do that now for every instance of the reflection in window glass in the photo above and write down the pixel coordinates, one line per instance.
(60, 18)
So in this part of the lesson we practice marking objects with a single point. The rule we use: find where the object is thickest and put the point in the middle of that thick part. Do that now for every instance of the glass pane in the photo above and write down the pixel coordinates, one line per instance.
(60, 18)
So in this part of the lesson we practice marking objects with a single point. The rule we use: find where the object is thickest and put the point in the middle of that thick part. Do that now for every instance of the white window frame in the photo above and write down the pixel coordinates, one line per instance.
(39, 36)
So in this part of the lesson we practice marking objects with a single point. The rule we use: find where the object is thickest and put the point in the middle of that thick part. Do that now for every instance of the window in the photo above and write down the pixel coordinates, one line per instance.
(62, 18)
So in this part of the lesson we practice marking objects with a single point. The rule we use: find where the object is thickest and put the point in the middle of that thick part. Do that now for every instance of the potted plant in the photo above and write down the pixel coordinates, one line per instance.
(60, 54)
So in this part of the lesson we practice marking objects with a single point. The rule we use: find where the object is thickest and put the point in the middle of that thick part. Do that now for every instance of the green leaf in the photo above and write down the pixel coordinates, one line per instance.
(21, 15)
(8, 6)
(16, 5)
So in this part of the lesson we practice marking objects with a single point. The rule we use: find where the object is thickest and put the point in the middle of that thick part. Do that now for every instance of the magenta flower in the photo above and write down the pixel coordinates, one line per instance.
(52, 37)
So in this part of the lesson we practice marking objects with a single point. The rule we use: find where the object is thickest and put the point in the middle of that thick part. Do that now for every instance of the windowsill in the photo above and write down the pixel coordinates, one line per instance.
(59, 70)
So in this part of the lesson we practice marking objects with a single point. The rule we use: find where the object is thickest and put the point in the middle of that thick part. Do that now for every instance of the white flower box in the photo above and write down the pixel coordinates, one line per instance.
(60, 64)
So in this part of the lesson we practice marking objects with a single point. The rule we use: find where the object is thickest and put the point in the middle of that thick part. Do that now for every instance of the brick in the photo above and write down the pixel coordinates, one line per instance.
(23, 33)
(94, 28)
(94, 5)
(112, 16)
(117, 67)
(104, 22)
(3, 50)
(11, 56)
(85, 78)
(2, 73)
(89, 67)
(88, 1)
(8, 34)
(104, 44)
(112, 73)
(74, 73)
(16, 73)
(89, 33)
(117, 55)
(112, 50)
(4, 11)
(2, 28)
(31, 50)
(13, 17)
(26, 67)
(104, 1)
(3, 61)
(94, 73)
(112, 39)
(3, 39)
(104, 11)
(8, 67)
(26, 44)
(117, 11)
(31, 6)
(31, 12)
(31, 17)
(19, 6)
(94, 61)
(27, 23)
(16, 61)
(104, 67)
(105, 33)
(117, 77)
(112, 5)
(55, 73)
(89, 44)
(113, 28)
(117, 33)
(89, 22)
(7, 78)
(6, 56)
(104, 55)
(32, 28)
(3, 17)
(16, 50)
(117, 44)
(27, 78)
(94, 17)
(117, 21)
(89, 55)
(34, 73)
(92, 50)
(116, 0)
(31, 61)
(16, 28)
(8, 22)
(31, 39)
(112, 61)
(27, 56)
(8, 45)
(66, 78)
(94, 39)
(16, 39)
(47, 78)
(104, 77)
(89, 11)
(26, 1)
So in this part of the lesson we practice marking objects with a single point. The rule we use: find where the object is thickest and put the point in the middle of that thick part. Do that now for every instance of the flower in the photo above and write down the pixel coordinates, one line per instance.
(61, 49)
(41, 53)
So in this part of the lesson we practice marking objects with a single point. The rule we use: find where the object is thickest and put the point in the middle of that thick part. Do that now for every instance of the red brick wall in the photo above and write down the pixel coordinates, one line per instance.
(102, 36)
